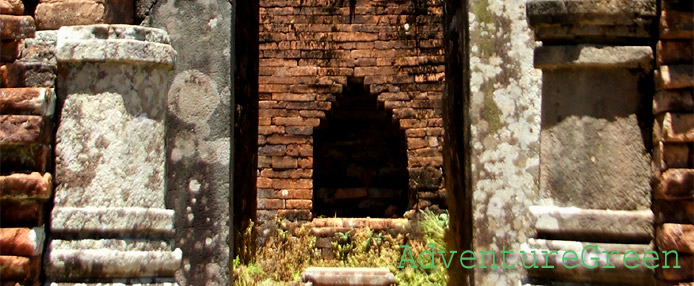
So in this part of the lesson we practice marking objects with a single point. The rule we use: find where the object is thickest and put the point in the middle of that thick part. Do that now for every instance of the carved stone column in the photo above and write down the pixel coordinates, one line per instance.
(109, 219)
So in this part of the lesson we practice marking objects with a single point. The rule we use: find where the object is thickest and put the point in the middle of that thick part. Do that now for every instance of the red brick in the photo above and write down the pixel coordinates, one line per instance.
(284, 163)
(9, 49)
(272, 129)
(306, 162)
(287, 139)
(270, 204)
(292, 183)
(25, 129)
(51, 15)
(264, 183)
(288, 174)
(299, 204)
(295, 121)
(16, 27)
(293, 96)
(675, 52)
(26, 186)
(676, 25)
(11, 7)
(295, 214)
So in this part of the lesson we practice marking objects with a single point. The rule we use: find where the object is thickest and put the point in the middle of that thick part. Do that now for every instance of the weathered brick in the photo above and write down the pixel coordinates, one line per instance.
(51, 15)
(673, 155)
(272, 150)
(679, 237)
(299, 130)
(685, 272)
(676, 25)
(25, 129)
(295, 121)
(674, 211)
(675, 52)
(27, 101)
(295, 214)
(28, 74)
(675, 76)
(681, 100)
(312, 114)
(16, 27)
(292, 183)
(674, 127)
(287, 139)
(21, 241)
(306, 162)
(287, 174)
(26, 186)
(263, 182)
(11, 7)
(17, 268)
(270, 204)
(293, 96)
(284, 163)
(299, 204)
(9, 49)
(268, 130)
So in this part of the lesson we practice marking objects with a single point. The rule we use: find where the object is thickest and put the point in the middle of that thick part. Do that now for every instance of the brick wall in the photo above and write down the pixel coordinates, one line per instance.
(309, 50)
(27, 101)
(673, 139)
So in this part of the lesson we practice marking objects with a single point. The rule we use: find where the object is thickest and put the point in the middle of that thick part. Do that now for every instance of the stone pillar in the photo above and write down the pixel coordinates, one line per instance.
(596, 67)
(109, 219)
(673, 139)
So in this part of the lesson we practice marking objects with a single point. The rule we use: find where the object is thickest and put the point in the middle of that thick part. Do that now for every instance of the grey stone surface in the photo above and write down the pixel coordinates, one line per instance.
(124, 221)
(593, 225)
(619, 274)
(505, 131)
(198, 132)
(594, 139)
(113, 244)
(590, 21)
(66, 263)
(114, 43)
(328, 276)
(110, 141)
(549, 57)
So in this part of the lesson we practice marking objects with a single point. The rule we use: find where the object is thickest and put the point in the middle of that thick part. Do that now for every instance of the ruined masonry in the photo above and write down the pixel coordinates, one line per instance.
(27, 105)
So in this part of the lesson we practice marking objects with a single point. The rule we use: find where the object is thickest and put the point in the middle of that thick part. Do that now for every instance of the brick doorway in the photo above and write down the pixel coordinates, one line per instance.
(360, 158)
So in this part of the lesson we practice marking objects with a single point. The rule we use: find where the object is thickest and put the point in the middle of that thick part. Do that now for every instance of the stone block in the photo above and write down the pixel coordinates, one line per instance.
(16, 27)
(676, 25)
(53, 14)
(593, 56)
(674, 211)
(27, 101)
(67, 263)
(675, 184)
(11, 7)
(592, 224)
(21, 213)
(675, 52)
(675, 76)
(40, 48)
(111, 222)
(21, 241)
(327, 276)
(674, 127)
(10, 50)
(17, 268)
(26, 186)
(591, 115)
(679, 237)
(594, 256)
(25, 129)
(20, 157)
(28, 74)
(677, 100)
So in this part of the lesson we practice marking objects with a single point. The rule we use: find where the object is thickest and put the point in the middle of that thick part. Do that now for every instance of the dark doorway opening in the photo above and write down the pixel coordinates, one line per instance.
(360, 159)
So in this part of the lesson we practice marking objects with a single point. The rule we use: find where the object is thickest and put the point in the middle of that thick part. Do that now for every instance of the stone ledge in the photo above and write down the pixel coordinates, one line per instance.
(26, 186)
(21, 241)
(328, 276)
(608, 12)
(25, 129)
(674, 77)
(17, 268)
(106, 263)
(593, 56)
(674, 127)
(679, 237)
(675, 184)
(678, 100)
(16, 27)
(620, 274)
(118, 222)
(11, 7)
(593, 224)
(27, 101)
(114, 43)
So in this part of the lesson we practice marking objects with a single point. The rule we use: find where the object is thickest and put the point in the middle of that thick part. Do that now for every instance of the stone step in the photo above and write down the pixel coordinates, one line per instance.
(21, 241)
(11, 7)
(675, 184)
(26, 186)
(28, 74)
(674, 100)
(593, 224)
(674, 76)
(679, 237)
(676, 25)
(25, 129)
(674, 127)
(27, 101)
(675, 52)
(111, 222)
(558, 254)
(16, 27)
(103, 263)
(17, 268)
(334, 276)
